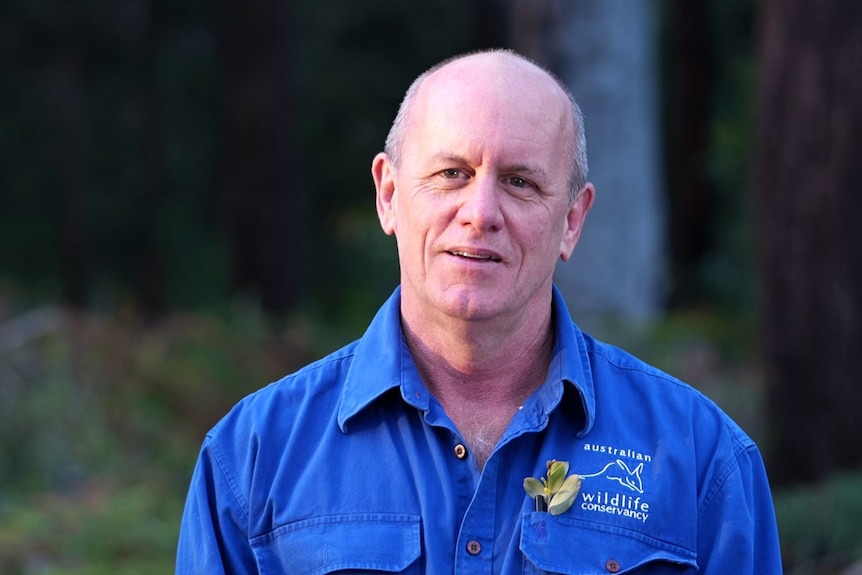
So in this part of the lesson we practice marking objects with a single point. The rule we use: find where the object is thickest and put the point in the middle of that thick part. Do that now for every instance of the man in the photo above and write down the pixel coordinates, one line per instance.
(407, 451)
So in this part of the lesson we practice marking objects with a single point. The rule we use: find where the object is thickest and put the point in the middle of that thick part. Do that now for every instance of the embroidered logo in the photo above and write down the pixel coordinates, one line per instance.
(621, 473)
(627, 474)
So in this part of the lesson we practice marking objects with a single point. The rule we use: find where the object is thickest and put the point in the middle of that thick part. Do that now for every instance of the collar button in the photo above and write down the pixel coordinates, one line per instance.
(460, 451)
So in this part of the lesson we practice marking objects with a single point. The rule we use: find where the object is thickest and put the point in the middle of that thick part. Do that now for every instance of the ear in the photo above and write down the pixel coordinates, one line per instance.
(384, 181)
(575, 220)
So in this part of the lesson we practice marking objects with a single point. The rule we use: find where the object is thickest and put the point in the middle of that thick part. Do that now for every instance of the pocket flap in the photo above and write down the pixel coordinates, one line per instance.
(373, 541)
(571, 546)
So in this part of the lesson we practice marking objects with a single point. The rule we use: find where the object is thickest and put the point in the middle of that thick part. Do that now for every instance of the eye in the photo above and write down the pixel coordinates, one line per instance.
(519, 183)
(451, 173)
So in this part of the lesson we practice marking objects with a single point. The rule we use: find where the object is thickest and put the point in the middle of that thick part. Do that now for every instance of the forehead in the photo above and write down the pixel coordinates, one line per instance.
(492, 108)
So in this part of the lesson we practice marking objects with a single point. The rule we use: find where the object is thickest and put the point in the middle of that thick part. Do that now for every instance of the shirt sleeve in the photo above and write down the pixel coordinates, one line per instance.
(737, 531)
(213, 534)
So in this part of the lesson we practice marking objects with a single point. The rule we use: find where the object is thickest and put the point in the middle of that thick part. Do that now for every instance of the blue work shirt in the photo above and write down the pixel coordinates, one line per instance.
(350, 465)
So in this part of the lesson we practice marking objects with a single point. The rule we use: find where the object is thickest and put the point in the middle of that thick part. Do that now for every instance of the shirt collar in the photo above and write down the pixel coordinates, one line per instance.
(377, 360)
(570, 362)
(382, 362)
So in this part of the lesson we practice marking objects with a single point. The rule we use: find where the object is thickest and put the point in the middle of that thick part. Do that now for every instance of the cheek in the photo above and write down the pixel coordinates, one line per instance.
(424, 220)
(542, 242)
(537, 237)
(411, 231)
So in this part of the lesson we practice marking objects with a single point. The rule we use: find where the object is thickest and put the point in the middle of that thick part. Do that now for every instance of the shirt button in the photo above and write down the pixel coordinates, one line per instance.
(613, 566)
(460, 451)
(474, 547)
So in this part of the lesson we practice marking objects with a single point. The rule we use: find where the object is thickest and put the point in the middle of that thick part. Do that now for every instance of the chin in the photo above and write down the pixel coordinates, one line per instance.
(472, 304)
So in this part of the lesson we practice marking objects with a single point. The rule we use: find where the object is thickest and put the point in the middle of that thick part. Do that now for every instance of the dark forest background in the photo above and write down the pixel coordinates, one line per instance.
(186, 213)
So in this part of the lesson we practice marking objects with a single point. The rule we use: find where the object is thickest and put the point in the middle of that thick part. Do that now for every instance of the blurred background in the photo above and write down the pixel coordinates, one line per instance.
(187, 213)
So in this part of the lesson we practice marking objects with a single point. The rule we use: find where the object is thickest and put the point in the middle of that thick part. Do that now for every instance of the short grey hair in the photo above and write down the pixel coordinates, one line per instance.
(578, 150)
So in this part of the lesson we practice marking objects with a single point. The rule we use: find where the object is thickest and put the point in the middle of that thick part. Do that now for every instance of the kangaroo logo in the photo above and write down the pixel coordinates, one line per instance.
(618, 471)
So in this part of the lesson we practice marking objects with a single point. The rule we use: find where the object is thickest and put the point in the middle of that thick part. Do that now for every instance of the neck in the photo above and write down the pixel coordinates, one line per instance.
(481, 374)
(475, 366)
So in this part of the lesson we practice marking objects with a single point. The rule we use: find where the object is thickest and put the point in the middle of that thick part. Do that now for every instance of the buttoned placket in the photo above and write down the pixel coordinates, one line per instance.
(478, 497)
(474, 550)
(476, 538)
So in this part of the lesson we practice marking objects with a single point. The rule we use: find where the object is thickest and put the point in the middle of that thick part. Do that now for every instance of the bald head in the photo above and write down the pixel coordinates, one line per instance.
(503, 80)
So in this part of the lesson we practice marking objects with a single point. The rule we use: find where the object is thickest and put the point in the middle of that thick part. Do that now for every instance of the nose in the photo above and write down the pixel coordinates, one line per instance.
(480, 205)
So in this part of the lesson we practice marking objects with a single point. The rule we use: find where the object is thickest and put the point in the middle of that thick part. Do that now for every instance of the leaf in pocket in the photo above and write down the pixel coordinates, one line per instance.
(556, 474)
(534, 487)
(565, 497)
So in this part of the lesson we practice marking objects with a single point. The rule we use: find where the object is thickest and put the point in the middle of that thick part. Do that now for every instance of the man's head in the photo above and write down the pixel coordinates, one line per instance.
(578, 151)
(477, 188)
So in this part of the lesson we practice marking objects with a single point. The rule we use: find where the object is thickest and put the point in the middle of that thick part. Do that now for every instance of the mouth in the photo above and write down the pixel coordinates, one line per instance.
(477, 256)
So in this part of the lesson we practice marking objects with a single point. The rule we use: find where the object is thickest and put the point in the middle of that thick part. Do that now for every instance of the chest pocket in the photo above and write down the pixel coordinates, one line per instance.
(353, 543)
(572, 547)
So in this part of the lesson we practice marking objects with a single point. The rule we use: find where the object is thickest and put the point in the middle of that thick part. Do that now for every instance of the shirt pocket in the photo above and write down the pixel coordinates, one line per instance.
(555, 544)
(353, 543)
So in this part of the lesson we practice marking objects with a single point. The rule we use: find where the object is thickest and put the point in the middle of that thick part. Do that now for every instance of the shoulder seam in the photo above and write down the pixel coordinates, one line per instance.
(718, 482)
(651, 372)
(219, 460)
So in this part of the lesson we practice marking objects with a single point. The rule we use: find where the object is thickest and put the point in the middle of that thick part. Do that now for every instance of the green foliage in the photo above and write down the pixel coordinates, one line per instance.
(819, 524)
(98, 528)
(101, 421)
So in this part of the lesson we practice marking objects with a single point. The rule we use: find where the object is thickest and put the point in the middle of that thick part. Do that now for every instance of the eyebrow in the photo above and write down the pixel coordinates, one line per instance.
(530, 169)
(449, 158)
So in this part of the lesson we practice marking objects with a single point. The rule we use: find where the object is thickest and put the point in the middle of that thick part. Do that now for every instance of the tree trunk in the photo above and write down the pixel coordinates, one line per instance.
(259, 171)
(147, 194)
(606, 52)
(689, 88)
(808, 181)
(66, 100)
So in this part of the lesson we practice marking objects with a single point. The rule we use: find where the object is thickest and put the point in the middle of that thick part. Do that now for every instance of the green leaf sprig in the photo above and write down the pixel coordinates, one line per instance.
(556, 492)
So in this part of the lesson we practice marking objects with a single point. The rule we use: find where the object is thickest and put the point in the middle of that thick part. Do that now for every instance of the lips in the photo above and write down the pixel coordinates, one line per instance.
(476, 255)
